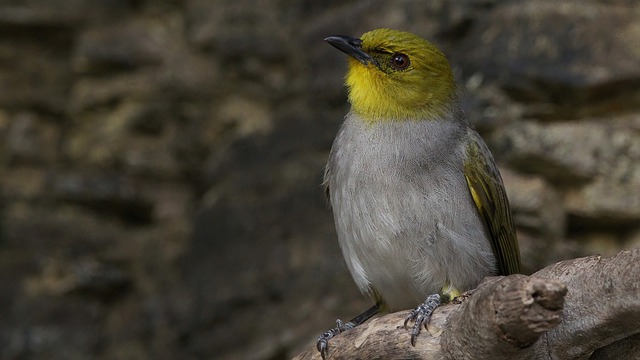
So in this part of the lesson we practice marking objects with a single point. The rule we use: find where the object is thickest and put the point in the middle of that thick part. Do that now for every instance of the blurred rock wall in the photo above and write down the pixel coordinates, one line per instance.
(160, 162)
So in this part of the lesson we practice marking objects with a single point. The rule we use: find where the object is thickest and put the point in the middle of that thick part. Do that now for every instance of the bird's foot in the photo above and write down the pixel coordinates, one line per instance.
(421, 315)
(323, 340)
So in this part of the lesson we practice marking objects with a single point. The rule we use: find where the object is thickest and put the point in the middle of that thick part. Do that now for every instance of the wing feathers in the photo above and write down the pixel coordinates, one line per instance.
(489, 196)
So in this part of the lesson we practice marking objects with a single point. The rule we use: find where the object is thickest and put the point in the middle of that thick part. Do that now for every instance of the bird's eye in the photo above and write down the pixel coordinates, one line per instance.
(400, 61)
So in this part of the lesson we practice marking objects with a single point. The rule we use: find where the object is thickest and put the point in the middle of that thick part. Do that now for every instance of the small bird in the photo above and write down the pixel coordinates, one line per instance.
(419, 205)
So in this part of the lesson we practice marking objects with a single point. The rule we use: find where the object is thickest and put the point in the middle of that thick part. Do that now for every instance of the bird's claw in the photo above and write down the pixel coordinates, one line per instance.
(323, 340)
(421, 315)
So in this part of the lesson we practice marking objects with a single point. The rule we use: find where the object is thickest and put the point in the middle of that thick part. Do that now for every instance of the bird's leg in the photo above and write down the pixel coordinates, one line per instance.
(422, 314)
(323, 340)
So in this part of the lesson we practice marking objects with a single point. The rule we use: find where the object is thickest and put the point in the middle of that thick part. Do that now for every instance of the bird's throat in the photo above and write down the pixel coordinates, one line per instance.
(376, 97)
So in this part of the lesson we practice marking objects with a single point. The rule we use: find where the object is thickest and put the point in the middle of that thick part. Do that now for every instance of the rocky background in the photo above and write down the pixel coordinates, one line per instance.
(161, 160)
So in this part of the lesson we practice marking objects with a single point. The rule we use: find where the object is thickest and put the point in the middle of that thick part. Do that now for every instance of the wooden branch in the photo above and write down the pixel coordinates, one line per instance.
(567, 310)
(503, 317)
(602, 306)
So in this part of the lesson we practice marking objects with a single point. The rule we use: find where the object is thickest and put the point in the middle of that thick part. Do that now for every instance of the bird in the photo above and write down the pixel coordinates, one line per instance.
(419, 206)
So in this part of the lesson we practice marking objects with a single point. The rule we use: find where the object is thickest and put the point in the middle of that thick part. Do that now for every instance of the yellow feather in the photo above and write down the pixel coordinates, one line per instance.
(474, 194)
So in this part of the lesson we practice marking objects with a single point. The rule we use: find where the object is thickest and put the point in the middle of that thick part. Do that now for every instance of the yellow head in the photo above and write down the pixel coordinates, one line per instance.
(396, 75)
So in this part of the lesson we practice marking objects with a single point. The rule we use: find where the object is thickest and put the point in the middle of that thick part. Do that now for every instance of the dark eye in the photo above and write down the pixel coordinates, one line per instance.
(400, 61)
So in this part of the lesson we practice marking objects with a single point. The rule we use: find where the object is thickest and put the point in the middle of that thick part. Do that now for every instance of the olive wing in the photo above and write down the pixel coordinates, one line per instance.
(490, 199)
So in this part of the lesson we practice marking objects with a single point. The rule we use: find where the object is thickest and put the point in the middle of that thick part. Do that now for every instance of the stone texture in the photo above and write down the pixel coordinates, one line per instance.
(539, 214)
(570, 61)
(600, 147)
(605, 203)
(161, 161)
(119, 47)
(31, 140)
(593, 160)
(536, 206)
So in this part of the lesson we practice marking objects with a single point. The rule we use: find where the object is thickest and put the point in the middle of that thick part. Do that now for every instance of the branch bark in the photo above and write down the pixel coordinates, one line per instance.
(587, 308)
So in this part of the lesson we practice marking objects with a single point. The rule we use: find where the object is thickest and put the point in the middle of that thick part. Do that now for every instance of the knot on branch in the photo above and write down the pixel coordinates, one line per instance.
(526, 307)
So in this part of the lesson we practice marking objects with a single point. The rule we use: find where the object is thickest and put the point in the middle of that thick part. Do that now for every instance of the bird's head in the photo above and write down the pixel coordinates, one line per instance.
(396, 75)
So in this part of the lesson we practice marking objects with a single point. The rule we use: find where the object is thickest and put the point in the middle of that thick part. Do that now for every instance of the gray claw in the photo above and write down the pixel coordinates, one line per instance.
(323, 340)
(421, 315)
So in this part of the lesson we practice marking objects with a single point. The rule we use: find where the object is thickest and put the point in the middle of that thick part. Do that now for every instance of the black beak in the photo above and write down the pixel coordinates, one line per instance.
(352, 47)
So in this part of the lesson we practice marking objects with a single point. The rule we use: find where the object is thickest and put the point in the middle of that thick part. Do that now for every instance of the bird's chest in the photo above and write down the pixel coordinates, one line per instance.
(389, 187)
(381, 190)
(389, 172)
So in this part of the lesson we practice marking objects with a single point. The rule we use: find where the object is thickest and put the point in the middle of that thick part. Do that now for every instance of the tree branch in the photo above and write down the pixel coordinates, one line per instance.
(570, 310)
